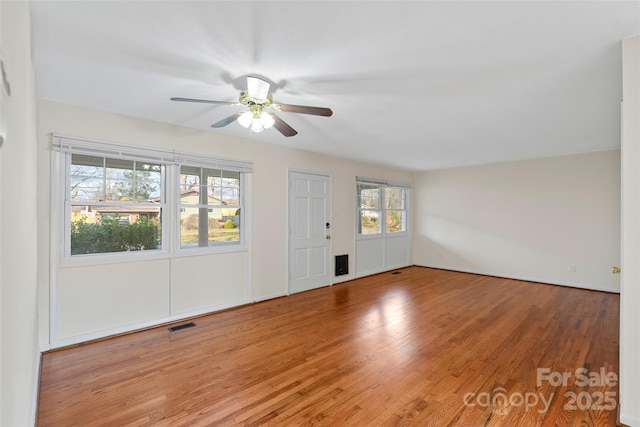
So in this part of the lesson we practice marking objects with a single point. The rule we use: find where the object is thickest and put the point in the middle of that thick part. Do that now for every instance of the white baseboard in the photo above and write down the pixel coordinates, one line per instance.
(271, 296)
(629, 420)
(525, 278)
(343, 278)
(77, 339)
(36, 390)
(361, 274)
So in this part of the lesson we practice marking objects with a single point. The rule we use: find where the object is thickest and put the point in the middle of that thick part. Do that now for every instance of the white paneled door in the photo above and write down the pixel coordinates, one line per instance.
(309, 231)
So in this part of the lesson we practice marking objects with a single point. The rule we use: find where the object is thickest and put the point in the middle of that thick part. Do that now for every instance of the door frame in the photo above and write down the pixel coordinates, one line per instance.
(289, 224)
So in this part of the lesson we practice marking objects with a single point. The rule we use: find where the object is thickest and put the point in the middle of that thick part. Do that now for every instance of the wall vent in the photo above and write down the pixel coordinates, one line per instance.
(342, 265)
(183, 326)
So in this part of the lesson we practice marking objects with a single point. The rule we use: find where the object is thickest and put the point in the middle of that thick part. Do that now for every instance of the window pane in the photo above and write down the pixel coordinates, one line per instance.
(395, 221)
(119, 180)
(222, 187)
(189, 178)
(189, 226)
(147, 182)
(369, 222)
(230, 231)
(101, 229)
(222, 225)
(368, 196)
(85, 188)
(230, 191)
(395, 198)
(86, 177)
(190, 196)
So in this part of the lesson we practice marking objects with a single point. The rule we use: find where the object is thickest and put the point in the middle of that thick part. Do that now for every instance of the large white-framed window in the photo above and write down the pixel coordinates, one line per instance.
(125, 201)
(381, 208)
(113, 204)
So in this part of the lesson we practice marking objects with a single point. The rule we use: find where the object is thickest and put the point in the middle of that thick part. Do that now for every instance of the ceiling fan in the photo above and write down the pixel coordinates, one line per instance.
(258, 99)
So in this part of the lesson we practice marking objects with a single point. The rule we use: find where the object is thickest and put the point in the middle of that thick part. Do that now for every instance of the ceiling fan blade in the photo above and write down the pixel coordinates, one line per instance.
(228, 120)
(205, 101)
(316, 111)
(283, 127)
(257, 88)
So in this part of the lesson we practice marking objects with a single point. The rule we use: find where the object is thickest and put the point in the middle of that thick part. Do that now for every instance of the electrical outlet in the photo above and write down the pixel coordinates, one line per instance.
(572, 268)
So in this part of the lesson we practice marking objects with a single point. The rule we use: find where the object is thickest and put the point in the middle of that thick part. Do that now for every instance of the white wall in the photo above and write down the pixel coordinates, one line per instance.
(268, 257)
(527, 219)
(630, 283)
(18, 222)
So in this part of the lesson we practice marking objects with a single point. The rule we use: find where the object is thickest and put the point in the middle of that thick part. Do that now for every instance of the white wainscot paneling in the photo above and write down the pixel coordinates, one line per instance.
(93, 300)
(209, 282)
(375, 255)
(396, 252)
(369, 256)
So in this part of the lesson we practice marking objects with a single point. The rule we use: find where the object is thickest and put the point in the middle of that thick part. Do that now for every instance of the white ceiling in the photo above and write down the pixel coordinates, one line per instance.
(417, 85)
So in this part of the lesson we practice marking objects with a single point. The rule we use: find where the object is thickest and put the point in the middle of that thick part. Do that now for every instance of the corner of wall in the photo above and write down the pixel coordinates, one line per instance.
(629, 401)
(19, 363)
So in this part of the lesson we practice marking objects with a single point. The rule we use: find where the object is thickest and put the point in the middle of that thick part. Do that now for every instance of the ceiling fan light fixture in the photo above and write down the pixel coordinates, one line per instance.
(267, 120)
(256, 125)
(245, 119)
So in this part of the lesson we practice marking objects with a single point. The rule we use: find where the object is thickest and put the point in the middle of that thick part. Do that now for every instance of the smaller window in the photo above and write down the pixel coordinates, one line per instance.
(396, 213)
(210, 207)
(382, 209)
(369, 209)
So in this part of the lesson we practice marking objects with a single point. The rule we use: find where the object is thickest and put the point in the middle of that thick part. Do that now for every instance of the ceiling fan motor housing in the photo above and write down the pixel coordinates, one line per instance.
(249, 101)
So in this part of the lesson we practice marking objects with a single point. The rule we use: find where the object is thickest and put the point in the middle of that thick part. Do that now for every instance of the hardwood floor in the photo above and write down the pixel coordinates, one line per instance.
(423, 347)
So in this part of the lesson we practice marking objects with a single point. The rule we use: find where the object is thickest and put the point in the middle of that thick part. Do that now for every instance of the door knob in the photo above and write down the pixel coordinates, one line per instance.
(328, 236)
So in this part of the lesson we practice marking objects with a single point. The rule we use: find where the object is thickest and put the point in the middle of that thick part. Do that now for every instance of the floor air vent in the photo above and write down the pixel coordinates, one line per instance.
(396, 272)
(183, 326)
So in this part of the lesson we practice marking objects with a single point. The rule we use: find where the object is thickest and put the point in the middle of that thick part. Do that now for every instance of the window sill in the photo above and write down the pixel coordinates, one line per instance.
(143, 256)
(381, 235)
(113, 258)
(210, 250)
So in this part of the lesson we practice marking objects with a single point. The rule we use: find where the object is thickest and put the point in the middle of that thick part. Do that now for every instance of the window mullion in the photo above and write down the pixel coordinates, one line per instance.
(383, 207)
(134, 180)
(66, 214)
(104, 178)
(203, 212)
